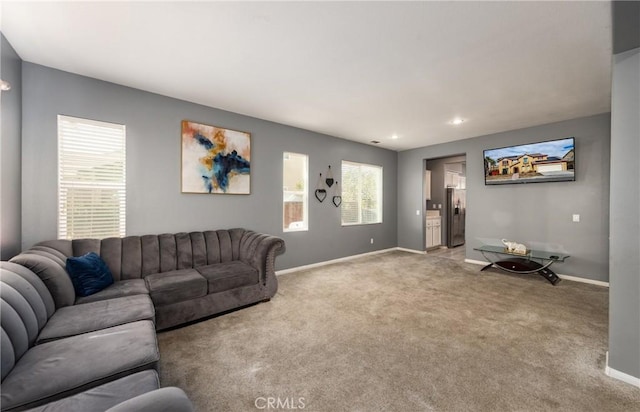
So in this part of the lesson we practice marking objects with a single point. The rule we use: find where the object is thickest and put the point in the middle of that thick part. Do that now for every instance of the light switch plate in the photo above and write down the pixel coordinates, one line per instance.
(576, 218)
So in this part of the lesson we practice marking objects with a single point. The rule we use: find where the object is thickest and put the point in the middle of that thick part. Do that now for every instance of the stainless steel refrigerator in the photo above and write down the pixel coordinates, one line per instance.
(456, 211)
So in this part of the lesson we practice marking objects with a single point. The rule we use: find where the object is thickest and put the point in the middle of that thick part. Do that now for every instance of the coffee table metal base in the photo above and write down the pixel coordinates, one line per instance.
(524, 266)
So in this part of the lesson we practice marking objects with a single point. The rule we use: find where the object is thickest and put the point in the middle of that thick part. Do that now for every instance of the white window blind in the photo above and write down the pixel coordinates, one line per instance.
(91, 178)
(361, 193)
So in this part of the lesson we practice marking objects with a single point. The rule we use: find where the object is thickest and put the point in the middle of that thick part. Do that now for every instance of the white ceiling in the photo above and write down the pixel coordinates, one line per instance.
(357, 70)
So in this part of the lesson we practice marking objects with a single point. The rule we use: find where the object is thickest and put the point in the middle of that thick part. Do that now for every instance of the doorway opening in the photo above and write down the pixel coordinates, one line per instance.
(445, 205)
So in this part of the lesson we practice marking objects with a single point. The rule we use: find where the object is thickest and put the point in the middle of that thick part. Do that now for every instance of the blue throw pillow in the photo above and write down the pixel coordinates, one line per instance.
(89, 274)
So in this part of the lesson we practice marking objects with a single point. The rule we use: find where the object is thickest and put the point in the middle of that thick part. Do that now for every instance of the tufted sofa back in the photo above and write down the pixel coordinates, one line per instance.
(25, 307)
(135, 257)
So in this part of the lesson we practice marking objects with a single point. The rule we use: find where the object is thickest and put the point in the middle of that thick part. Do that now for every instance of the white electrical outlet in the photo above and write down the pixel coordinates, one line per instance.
(417, 213)
(434, 206)
(576, 218)
(439, 205)
(372, 241)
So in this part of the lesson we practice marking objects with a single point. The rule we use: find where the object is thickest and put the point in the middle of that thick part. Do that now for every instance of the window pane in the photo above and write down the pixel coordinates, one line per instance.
(91, 179)
(295, 191)
(350, 193)
(361, 193)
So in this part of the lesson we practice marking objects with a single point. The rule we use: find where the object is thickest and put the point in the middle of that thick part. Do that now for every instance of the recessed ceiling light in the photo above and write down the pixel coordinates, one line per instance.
(5, 85)
(457, 121)
(394, 137)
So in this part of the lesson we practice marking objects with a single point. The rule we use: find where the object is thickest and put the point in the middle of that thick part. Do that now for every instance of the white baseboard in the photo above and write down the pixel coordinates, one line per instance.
(476, 262)
(328, 262)
(584, 280)
(616, 374)
(420, 252)
(567, 277)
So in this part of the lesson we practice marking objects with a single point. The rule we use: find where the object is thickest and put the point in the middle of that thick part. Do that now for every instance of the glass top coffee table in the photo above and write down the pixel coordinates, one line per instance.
(533, 261)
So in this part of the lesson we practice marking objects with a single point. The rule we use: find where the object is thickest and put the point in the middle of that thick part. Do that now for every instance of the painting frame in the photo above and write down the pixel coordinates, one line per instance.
(214, 159)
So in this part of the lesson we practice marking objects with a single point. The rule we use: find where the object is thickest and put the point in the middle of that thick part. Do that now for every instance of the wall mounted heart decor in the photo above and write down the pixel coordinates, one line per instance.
(337, 199)
(321, 194)
(329, 179)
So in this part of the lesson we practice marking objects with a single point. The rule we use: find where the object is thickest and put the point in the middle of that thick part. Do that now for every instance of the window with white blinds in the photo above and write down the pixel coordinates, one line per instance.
(295, 198)
(91, 178)
(361, 193)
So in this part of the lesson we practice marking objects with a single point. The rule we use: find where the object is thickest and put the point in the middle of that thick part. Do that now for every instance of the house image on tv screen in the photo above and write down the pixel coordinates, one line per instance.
(551, 161)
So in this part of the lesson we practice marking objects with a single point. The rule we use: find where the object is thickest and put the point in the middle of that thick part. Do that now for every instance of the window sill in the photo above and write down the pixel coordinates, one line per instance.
(295, 230)
(360, 224)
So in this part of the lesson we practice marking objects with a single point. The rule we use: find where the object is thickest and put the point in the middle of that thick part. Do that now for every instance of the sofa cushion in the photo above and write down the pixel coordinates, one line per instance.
(92, 316)
(119, 289)
(176, 286)
(89, 274)
(106, 396)
(64, 367)
(169, 399)
(228, 275)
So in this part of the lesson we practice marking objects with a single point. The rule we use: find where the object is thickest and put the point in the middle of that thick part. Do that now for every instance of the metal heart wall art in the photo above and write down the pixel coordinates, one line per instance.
(337, 199)
(321, 194)
(329, 180)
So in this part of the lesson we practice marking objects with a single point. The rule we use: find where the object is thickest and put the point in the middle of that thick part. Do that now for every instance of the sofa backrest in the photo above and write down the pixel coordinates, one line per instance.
(25, 307)
(133, 257)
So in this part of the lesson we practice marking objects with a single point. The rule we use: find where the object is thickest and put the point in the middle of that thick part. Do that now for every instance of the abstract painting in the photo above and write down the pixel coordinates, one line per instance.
(215, 160)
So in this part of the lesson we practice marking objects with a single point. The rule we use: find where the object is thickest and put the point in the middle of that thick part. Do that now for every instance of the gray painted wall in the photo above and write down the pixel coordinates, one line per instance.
(624, 285)
(11, 198)
(626, 25)
(537, 214)
(154, 201)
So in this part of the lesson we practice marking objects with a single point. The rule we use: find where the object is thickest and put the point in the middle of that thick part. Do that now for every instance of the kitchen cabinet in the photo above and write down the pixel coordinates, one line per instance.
(434, 231)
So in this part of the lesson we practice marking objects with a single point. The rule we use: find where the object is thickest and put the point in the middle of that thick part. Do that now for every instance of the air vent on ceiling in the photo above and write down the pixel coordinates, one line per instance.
(375, 142)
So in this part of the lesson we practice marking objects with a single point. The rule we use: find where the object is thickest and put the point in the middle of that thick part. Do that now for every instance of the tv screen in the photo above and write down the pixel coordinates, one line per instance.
(550, 161)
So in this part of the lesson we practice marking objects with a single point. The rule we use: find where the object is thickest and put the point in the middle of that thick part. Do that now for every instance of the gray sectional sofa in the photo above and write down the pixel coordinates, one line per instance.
(188, 275)
(49, 365)
(61, 352)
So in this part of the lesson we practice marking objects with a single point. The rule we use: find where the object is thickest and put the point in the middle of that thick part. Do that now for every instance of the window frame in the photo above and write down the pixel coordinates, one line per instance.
(304, 192)
(380, 195)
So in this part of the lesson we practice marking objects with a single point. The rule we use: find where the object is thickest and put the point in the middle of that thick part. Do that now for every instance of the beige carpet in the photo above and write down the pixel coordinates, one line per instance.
(403, 332)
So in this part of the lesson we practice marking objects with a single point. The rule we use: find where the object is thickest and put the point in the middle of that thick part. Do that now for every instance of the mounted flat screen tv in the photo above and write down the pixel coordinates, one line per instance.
(550, 161)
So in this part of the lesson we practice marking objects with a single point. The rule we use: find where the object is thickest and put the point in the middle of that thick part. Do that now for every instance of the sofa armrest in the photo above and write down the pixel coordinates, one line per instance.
(50, 269)
(260, 251)
(170, 399)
